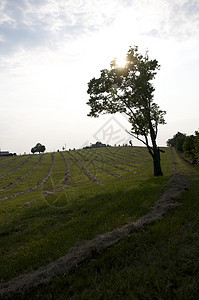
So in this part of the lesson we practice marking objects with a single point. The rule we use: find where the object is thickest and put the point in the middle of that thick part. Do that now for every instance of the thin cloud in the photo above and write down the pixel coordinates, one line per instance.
(39, 23)
(177, 20)
(26, 24)
(50, 49)
(185, 19)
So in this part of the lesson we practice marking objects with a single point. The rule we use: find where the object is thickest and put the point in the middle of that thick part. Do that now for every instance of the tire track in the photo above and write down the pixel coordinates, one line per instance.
(174, 163)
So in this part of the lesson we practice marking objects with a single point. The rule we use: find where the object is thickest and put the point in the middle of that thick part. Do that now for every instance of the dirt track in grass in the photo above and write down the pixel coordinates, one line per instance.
(55, 190)
(86, 171)
(77, 255)
(100, 167)
(8, 186)
(115, 160)
(40, 183)
(10, 162)
(108, 163)
(18, 167)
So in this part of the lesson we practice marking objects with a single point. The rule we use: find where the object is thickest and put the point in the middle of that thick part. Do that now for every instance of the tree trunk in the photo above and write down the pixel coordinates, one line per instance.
(156, 163)
(156, 151)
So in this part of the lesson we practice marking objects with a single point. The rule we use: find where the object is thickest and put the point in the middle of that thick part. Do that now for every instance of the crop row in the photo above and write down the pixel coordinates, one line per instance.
(50, 173)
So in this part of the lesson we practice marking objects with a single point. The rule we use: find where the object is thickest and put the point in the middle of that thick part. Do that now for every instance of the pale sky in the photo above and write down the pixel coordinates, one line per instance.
(50, 49)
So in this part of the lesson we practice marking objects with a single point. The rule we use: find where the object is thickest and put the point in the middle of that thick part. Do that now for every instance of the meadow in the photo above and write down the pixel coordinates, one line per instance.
(54, 201)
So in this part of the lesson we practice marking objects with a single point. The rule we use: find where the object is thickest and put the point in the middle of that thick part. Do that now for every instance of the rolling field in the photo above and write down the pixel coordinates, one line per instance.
(52, 202)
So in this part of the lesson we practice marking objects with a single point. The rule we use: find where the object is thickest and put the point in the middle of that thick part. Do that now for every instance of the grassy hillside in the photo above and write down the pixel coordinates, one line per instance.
(51, 202)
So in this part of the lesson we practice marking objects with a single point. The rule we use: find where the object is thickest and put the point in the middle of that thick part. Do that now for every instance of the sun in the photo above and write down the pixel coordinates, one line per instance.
(121, 61)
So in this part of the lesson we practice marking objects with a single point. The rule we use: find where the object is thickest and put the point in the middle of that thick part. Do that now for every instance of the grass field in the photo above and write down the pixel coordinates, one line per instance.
(51, 202)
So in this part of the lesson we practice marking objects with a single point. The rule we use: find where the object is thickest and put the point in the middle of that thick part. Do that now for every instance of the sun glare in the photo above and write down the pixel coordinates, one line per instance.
(121, 61)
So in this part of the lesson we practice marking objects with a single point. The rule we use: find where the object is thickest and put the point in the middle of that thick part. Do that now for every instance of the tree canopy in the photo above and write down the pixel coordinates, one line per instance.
(188, 145)
(129, 90)
(38, 148)
(177, 141)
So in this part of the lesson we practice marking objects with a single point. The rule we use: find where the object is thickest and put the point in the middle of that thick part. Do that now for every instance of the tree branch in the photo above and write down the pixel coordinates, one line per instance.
(136, 137)
(145, 143)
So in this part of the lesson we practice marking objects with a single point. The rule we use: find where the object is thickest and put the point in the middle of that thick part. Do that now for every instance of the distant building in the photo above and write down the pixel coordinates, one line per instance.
(6, 153)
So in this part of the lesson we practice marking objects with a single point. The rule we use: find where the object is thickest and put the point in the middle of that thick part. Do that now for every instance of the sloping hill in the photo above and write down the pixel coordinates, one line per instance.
(70, 197)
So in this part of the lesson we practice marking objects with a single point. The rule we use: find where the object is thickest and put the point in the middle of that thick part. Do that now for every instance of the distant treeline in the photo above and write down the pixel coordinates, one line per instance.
(96, 145)
(99, 144)
(187, 145)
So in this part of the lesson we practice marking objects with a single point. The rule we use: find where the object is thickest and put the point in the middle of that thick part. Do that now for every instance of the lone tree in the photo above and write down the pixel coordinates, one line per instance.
(38, 148)
(129, 90)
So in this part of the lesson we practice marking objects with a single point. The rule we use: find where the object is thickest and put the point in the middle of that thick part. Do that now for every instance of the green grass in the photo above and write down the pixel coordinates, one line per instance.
(146, 265)
(41, 231)
(158, 262)
(37, 174)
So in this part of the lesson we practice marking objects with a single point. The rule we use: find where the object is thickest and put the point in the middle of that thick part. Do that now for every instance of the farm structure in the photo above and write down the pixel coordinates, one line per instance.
(6, 153)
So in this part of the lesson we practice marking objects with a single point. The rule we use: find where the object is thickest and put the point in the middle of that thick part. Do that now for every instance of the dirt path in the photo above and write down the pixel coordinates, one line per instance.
(78, 254)
(174, 163)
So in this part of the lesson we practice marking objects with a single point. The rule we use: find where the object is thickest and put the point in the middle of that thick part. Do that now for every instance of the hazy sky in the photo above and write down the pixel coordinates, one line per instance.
(50, 49)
